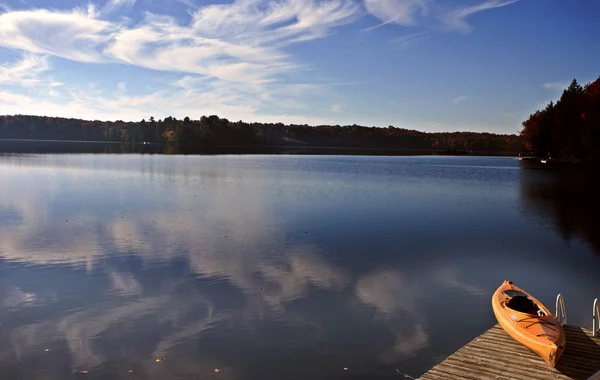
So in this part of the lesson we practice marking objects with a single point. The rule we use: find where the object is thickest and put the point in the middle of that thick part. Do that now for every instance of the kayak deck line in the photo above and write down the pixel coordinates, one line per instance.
(496, 355)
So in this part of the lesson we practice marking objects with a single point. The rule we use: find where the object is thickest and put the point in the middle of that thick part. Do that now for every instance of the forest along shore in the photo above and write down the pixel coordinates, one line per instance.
(210, 134)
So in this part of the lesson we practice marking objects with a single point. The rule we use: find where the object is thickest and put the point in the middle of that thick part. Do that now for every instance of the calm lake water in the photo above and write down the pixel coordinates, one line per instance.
(276, 267)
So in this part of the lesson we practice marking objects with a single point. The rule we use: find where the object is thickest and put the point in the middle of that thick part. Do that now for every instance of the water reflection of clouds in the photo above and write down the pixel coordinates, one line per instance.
(96, 240)
(125, 284)
(448, 277)
(229, 235)
(41, 237)
(396, 297)
(81, 328)
(16, 298)
(389, 291)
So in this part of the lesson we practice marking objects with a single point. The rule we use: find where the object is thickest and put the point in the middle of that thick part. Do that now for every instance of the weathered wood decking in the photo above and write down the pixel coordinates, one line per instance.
(495, 355)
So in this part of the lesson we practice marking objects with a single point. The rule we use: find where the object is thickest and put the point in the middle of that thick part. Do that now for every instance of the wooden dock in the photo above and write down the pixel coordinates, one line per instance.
(495, 355)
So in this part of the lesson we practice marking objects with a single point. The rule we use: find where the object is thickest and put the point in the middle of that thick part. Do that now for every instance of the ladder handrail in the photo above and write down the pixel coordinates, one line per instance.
(596, 315)
(561, 310)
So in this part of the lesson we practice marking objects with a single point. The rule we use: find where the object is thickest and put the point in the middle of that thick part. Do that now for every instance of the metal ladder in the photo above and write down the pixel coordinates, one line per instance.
(596, 316)
(561, 314)
(561, 310)
(596, 330)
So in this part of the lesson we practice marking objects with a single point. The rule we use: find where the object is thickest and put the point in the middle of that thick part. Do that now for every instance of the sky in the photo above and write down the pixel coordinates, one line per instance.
(430, 65)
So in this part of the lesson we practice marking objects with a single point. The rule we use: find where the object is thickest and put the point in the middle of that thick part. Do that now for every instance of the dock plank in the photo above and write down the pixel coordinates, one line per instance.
(496, 355)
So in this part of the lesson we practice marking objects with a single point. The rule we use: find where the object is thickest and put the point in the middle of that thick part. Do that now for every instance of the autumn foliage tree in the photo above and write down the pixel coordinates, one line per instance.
(568, 130)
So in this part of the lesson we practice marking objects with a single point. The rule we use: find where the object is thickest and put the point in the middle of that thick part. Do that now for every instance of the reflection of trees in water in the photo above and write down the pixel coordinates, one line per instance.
(568, 199)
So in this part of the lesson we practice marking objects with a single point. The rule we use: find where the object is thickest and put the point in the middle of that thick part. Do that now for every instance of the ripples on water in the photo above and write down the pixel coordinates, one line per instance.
(274, 267)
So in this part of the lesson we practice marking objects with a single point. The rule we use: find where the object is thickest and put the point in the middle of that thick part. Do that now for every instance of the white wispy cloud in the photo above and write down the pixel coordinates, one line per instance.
(409, 40)
(76, 35)
(240, 41)
(431, 124)
(237, 42)
(235, 55)
(456, 19)
(8, 99)
(236, 47)
(412, 12)
(555, 85)
(189, 3)
(160, 104)
(401, 12)
(336, 108)
(261, 21)
(115, 5)
(459, 99)
(25, 71)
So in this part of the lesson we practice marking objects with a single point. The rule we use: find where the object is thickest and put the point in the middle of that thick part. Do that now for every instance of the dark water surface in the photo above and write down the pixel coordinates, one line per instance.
(275, 267)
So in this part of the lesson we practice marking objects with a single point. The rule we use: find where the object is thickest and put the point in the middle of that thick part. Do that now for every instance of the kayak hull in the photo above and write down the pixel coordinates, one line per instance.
(529, 322)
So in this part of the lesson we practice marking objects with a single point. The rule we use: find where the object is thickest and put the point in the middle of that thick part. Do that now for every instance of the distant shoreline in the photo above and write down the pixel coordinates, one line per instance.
(118, 147)
(212, 134)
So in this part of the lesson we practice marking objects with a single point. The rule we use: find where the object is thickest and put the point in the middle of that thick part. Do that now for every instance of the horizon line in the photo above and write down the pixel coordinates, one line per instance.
(256, 122)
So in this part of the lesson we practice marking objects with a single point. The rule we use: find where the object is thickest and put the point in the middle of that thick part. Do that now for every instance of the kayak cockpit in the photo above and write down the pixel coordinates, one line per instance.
(520, 302)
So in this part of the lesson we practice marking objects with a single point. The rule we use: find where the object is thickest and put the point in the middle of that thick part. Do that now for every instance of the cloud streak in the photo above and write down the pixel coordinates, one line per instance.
(115, 5)
(409, 40)
(413, 12)
(456, 20)
(459, 99)
(25, 71)
(335, 108)
(555, 85)
(400, 12)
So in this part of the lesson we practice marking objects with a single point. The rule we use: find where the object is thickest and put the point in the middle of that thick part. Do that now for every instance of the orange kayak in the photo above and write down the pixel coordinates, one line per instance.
(529, 322)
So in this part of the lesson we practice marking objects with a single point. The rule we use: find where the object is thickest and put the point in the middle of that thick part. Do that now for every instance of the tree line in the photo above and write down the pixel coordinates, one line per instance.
(569, 129)
(212, 131)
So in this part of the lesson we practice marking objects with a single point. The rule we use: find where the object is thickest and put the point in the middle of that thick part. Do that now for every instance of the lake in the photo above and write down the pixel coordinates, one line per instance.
(276, 267)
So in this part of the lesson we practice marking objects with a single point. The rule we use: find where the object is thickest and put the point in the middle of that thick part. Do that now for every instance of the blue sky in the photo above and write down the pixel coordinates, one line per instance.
(432, 65)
